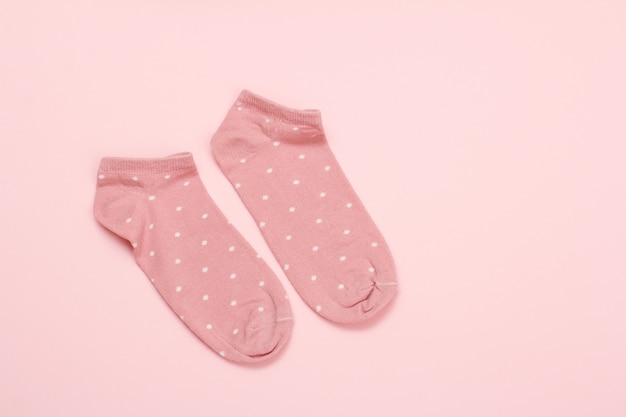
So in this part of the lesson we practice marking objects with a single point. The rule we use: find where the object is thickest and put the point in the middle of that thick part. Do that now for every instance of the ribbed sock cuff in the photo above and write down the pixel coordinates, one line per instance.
(177, 162)
(277, 111)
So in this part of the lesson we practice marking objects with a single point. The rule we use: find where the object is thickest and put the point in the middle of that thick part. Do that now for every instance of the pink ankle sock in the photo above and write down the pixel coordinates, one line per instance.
(197, 261)
(278, 160)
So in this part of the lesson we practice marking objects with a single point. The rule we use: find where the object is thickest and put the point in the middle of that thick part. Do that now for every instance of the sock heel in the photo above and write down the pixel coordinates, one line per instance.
(122, 211)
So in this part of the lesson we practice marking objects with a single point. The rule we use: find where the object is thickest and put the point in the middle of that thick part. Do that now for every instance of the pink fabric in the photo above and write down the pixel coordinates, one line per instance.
(197, 261)
(278, 160)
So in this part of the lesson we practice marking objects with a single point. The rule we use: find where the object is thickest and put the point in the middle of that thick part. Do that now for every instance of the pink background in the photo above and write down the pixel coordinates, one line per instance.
(486, 138)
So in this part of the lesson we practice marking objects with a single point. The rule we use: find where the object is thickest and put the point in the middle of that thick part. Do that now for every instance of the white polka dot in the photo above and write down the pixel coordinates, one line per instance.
(318, 308)
(179, 208)
(341, 286)
(276, 143)
(134, 244)
(177, 234)
(327, 168)
(182, 318)
(349, 205)
(261, 309)
(313, 277)
(322, 194)
(205, 215)
(233, 276)
(265, 197)
(258, 255)
(205, 269)
(242, 160)
(296, 182)
(233, 303)
(231, 249)
(286, 267)
(292, 209)
(267, 120)
(346, 232)
(179, 288)
(203, 243)
(222, 353)
(288, 237)
(135, 179)
(167, 177)
(296, 128)
(177, 261)
(209, 326)
(151, 198)
(152, 279)
(237, 185)
(101, 176)
(151, 253)
(261, 283)
(240, 108)
(205, 297)
(128, 220)
(269, 170)
(342, 258)
(235, 331)
(302, 156)
(318, 221)
(374, 244)
(286, 296)
(151, 226)
(371, 269)
(316, 248)
(186, 183)
(261, 224)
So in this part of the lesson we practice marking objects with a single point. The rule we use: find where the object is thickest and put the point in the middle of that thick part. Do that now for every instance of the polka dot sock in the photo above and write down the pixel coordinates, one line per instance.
(279, 162)
(202, 267)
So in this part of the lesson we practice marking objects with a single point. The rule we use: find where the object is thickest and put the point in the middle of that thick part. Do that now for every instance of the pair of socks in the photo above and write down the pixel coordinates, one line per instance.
(279, 162)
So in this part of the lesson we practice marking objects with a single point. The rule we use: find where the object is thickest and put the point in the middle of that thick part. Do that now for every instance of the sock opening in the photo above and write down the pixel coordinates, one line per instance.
(309, 117)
